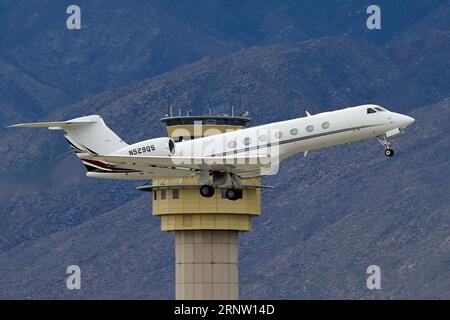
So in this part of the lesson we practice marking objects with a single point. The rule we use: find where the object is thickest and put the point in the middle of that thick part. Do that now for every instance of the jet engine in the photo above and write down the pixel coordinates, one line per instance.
(158, 147)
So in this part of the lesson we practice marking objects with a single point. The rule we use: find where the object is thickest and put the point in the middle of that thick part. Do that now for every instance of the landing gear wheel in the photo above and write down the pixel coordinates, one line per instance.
(233, 194)
(207, 191)
(388, 152)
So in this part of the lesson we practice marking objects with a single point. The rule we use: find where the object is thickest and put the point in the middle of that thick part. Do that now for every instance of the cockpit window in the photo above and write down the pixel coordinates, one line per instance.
(379, 109)
(370, 110)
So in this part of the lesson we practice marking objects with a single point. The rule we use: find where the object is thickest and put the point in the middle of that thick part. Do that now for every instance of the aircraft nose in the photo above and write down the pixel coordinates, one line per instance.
(403, 120)
(407, 120)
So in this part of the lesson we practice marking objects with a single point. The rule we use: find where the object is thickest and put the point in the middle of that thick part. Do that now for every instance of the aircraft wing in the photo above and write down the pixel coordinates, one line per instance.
(223, 164)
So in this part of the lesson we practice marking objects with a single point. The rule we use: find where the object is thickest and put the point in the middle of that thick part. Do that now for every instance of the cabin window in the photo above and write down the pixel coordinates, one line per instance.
(247, 141)
(310, 128)
(163, 194)
(175, 193)
(325, 125)
(262, 138)
(232, 144)
(155, 194)
(370, 110)
(278, 134)
(294, 131)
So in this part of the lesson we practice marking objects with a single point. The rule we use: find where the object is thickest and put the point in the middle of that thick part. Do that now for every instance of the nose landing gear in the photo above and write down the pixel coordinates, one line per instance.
(388, 152)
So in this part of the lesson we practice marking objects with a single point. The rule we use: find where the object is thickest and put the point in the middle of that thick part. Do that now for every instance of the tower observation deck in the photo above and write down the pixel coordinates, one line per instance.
(206, 229)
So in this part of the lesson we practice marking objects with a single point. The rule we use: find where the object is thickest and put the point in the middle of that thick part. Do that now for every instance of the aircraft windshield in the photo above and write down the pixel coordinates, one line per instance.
(375, 110)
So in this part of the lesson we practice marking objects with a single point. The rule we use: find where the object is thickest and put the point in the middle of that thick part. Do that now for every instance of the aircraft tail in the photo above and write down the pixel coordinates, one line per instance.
(85, 134)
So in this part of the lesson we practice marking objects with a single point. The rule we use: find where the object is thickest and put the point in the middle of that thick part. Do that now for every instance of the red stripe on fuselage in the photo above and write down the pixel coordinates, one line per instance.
(98, 163)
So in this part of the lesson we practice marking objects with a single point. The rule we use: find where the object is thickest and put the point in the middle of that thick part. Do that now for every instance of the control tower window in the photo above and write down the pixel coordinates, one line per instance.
(370, 110)
(163, 194)
(155, 194)
(175, 193)
(310, 128)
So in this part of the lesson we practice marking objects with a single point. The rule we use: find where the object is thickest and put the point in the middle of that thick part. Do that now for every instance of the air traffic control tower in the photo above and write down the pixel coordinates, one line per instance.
(206, 229)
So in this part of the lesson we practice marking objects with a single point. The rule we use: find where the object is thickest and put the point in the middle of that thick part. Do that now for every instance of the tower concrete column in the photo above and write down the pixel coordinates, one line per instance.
(206, 264)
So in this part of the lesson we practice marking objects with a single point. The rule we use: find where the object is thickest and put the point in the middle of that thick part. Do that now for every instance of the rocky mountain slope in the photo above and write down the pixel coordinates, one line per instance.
(25, 99)
(279, 75)
(389, 212)
(122, 43)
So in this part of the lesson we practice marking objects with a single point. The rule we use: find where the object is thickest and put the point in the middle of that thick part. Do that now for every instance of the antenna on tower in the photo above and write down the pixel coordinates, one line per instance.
(169, 111)
(241, 109)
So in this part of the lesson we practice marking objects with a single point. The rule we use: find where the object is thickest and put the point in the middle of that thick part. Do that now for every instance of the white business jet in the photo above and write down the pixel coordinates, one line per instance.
(223, 159)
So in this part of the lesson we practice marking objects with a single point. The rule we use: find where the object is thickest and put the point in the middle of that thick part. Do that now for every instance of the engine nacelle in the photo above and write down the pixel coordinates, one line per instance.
(159, 147)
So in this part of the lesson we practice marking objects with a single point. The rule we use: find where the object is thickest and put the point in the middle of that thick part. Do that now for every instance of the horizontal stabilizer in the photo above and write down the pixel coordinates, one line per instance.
(56, 124)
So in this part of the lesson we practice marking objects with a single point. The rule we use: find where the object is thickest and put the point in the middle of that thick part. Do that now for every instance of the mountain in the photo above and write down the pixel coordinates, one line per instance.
(117, 43)
(253, 22)
(254, 75)
(331, 215)
(353, 208)
(422, 52)
(24, 99)
(390, 212)
(121, 43)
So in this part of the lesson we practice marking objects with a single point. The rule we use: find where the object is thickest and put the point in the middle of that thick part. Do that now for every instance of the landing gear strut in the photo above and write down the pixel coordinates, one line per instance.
(388, 152)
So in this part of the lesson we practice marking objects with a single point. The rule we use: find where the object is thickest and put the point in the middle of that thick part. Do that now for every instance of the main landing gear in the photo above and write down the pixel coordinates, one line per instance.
(233, 194)
(388, 152)
(220, 179)
(207, 190)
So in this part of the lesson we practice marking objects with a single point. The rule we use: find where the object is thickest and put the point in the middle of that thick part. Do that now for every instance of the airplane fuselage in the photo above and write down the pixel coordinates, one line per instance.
(107, 156)
(300, 135)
